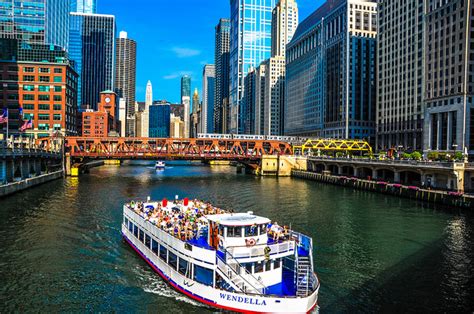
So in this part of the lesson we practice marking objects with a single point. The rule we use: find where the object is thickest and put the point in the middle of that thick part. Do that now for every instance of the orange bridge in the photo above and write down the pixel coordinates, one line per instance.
(172, 148)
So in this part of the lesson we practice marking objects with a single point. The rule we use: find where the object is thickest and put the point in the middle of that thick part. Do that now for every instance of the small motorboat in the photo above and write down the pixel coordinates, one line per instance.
(160, 164)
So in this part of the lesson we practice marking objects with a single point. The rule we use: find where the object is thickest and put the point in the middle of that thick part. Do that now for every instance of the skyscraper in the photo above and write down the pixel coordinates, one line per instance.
(250, 44)
(83, 6)
(330, 72)
(195, 115)
(145, 115)
(448, 76)
(186, 100)
(221, 58)
(208, 96)
(125, 76)
(40, 21)
(160, 120)
(92, 47)
(284, 24)
(185, 86)
(400, 74)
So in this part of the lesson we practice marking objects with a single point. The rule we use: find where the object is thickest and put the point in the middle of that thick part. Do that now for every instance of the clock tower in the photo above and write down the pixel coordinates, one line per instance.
(108, 103)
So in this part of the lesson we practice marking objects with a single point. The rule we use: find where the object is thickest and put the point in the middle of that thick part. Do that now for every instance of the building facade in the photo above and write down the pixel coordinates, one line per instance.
(92, 47)
(185, 86)
(208, 98)
(160, 120)
(400, 75)
(39, 80)
(221, 61)
(195, 115)
(250, 44)
(84, 6)
(247, 103)
(40, 21)
(103, 121)
(449, 77)
(260, 98)
(125, 77)
(176, 126)
(331, 74)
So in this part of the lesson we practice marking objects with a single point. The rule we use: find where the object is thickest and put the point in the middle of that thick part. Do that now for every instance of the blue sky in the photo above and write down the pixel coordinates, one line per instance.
(173, 38)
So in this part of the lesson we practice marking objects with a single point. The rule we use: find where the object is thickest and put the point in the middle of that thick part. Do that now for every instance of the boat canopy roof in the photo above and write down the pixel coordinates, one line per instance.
(238, 219)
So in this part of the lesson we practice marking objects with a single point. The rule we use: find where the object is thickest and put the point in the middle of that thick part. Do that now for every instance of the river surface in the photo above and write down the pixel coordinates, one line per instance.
(61, 248)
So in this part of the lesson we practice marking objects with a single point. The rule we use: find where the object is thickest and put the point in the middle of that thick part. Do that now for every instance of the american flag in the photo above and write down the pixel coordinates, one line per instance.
(4, 116)
(27, 125)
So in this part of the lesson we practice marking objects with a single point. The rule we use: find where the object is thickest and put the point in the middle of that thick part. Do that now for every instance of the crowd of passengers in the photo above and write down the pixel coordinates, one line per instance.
(186, 223)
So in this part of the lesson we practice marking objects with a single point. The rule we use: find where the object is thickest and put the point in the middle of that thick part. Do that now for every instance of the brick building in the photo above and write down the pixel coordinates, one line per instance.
(103, 122)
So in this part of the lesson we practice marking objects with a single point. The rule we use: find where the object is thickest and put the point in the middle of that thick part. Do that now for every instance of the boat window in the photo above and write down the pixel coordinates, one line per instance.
(135, 231)
(130, 226)
(251, 231)
(221, 230)
(263, 229)
(125, 221)
(172, 260)
(163, 253)
(248, 267)
(147, 240)
(183, 266)
(276, 263)
(154, 246)
(259, 267)
(237, 232)
(203, 275)
(141, 235)
(268, 265)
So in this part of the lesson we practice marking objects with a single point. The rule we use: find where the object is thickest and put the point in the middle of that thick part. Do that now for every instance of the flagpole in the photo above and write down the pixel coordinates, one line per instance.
(7, 127)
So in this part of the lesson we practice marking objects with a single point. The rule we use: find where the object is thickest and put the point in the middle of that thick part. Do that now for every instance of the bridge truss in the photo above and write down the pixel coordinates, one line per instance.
(328, 144)
(170, 148)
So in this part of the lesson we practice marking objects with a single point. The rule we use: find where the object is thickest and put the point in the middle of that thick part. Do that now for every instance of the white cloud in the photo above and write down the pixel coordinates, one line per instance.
(175, 75)
(185, 52)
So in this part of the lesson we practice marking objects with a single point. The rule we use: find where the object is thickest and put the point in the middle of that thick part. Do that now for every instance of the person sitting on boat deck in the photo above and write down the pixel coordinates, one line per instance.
(276, 230)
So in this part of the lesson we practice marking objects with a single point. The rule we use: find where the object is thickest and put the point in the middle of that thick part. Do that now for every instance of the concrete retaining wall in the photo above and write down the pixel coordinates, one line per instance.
(428, 196)
(14, 187)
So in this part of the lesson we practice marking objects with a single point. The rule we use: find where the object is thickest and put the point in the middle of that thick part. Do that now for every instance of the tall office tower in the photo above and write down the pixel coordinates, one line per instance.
(248, 103)
(186, 100)
(185, 86)
(284, 24)
(208, 97)
(125, 76)
(160, 120)
(40, 21)
(259, 112)
(448, 74)
(250, 44)
(149, 94)
(83, 6)
(400, 74)
(195, 119)
(92, 47)
(145, 115)
(221, 59)
(330, 74)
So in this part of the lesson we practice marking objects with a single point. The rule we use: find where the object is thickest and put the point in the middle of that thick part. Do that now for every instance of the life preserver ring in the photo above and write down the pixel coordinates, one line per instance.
(250, 242)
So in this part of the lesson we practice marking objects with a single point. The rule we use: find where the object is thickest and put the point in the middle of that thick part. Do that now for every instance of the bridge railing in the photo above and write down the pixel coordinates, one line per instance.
(444, 164)
(26, 145)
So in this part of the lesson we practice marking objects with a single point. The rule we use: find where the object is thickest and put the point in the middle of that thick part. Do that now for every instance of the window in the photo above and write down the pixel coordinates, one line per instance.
(29, 88)
(183, 267)
(56, 107)
(57, 97)
(28, 78)
(258, 267)
(43, 127)
(28, 97)
(58, 79)
(28, 106)
(44, 78)
(44, 70)
(43, 97)
(43, 116)
(135, 231)
(58, 70)
(163, 253)
(28, 70)
(125, 221)
(58, 89)
(141, 235)
(43, 106)
(147, 237)
(154, 246)
(43, 88)
(130, 226)
(57, 127)
(203, 275)
(172, 260)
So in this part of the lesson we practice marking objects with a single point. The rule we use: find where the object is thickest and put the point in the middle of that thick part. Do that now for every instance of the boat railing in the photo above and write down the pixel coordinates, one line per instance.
(240, 268)
(244, 285)
(261, 249)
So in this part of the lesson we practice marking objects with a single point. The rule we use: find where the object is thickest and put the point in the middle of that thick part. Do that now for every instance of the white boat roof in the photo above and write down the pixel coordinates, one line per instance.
(238, 219)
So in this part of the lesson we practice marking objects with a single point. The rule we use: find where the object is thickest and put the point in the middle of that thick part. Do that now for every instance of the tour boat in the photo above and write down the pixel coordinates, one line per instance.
(233, 261)
(160, 164)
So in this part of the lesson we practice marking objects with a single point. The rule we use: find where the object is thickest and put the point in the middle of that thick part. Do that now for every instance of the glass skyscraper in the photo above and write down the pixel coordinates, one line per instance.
(39, 21)
(92, 47)
(83, 6)
(185, 86)
(250, 44)
(159, 120)
(221, 59)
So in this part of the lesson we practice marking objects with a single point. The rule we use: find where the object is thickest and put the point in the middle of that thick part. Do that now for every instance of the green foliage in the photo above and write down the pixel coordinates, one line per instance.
(416, 155)
(458, 156)
(433, 155)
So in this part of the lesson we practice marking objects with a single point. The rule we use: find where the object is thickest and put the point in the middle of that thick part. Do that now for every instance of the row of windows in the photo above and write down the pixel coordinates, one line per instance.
(42, 88)
(42, 106)
(42, 78)
(42, 97)
(41, 70)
